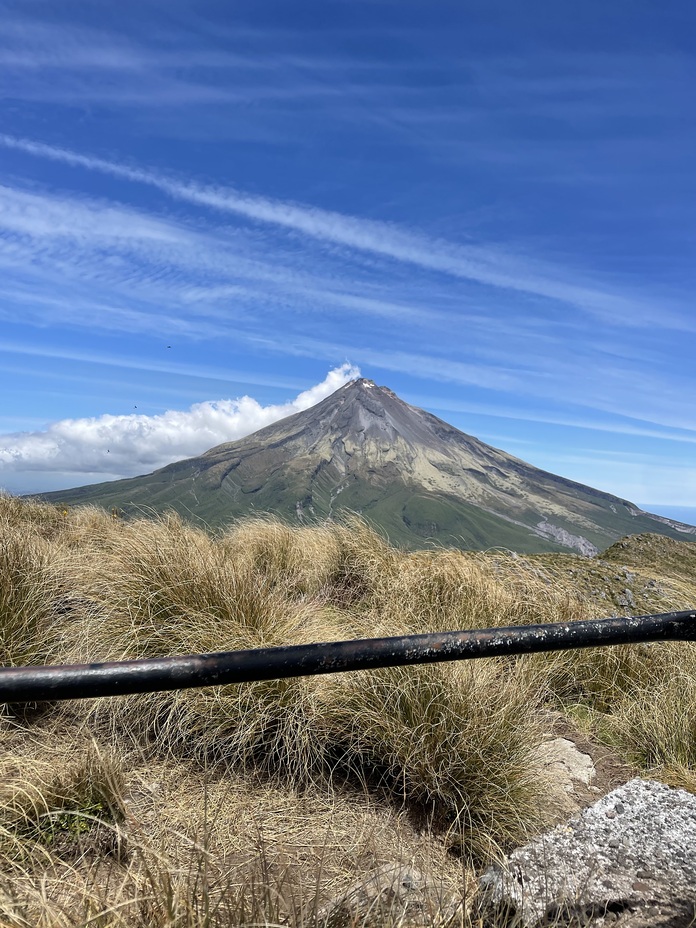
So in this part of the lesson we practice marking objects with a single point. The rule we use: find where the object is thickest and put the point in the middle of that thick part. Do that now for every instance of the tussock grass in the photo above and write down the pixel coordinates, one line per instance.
(448, 749)
(25, 514)
(167, 588)
(28, 590)
(52, 802)
(451, 741)
(341, 562)
(201, 850)
(445, 590)
(163, 587)
(656, 725)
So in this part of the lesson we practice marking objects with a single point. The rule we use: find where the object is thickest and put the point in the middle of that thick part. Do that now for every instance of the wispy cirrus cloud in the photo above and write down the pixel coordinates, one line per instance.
(113, 268)
(211, 276)
(490, 266)
(128, 445)
(627, 477)
(570, 419)
(72, 63)
(202, 371)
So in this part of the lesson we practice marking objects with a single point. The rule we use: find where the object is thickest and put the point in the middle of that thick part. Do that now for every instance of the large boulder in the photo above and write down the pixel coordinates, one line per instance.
(629, 859)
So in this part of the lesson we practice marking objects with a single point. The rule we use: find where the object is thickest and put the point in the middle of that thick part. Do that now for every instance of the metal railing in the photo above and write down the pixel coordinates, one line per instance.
(83, 681)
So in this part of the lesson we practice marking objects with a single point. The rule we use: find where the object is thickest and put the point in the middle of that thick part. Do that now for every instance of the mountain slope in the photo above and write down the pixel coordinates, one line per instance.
(409, 472)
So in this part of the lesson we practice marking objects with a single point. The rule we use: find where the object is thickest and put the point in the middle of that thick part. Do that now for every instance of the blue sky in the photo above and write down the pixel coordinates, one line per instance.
(488, 207)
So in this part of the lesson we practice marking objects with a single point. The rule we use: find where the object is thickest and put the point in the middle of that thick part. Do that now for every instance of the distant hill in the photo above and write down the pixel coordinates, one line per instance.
(419, 479)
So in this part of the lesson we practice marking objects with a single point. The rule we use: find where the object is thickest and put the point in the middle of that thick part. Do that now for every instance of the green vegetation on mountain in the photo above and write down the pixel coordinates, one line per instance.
(416, 478)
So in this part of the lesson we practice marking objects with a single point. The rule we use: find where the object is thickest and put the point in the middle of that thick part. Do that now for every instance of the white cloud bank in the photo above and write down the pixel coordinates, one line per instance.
(129, 445)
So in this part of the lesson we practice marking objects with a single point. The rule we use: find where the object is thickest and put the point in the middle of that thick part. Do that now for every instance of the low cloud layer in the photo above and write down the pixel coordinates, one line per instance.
(133, 444)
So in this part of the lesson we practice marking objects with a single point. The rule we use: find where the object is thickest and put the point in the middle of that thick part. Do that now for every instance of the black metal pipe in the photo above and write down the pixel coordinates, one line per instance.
(83, 681)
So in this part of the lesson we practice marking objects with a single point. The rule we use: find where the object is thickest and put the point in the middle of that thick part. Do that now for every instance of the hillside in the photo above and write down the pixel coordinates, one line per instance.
(417, 478)
(260, 804)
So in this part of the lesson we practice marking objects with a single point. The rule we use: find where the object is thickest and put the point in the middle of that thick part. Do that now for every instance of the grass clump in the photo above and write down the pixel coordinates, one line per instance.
(168, 588)
(340, 562)
(49, 803)
(655, 726)
(28, 589)
(448, 590)
(452, 742)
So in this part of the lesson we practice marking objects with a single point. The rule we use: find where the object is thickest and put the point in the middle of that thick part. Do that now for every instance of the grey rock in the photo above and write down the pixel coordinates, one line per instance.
(561, 758)
(564, 537)
(569, 773)
(631, 850)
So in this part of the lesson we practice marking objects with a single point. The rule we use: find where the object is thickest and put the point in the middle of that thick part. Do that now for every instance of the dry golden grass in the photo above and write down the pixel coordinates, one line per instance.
(184, 847)
(29, 585)
(256, 803)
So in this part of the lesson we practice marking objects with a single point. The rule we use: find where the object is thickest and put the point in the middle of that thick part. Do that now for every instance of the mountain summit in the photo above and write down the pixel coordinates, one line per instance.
(420, 479)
